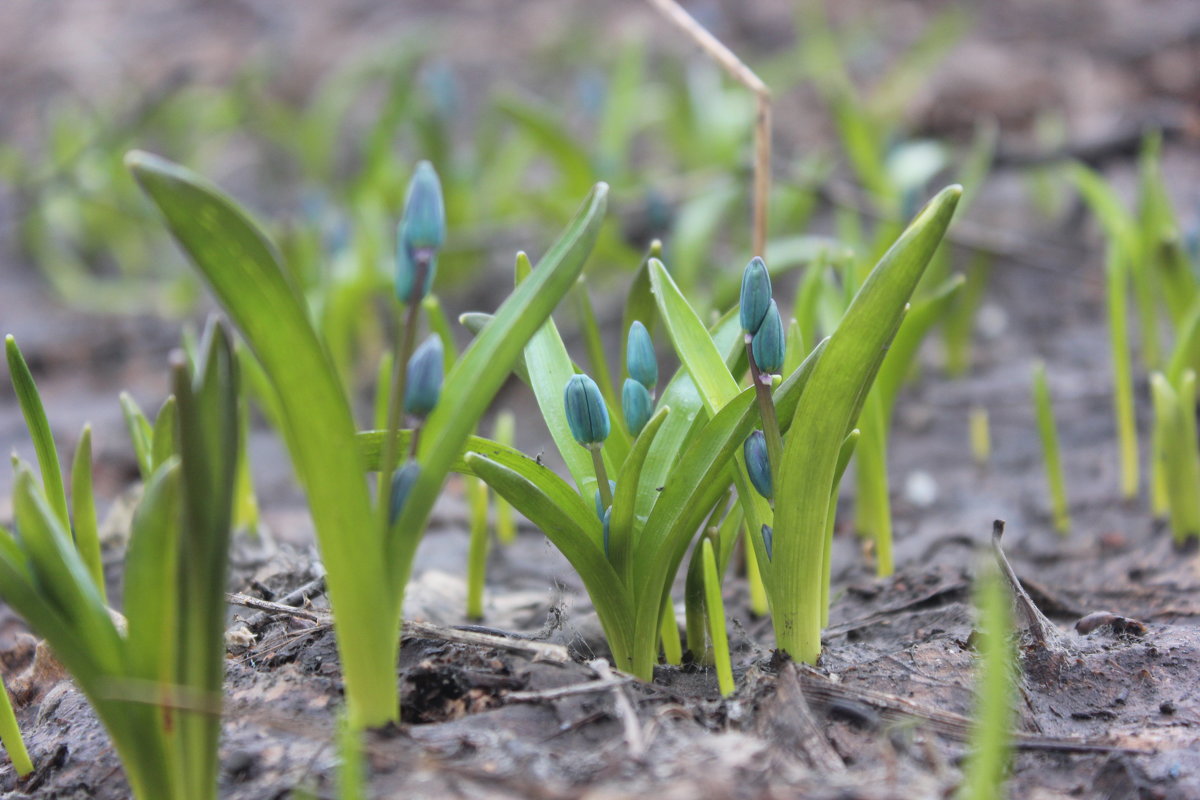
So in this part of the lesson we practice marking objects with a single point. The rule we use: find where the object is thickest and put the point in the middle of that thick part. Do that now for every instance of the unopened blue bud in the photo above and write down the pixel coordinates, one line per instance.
(586, 413)
(420, 234)
(600, 507)
(756, 295)
(768, 345)
(757, 463)
(768, 539)
(402, 483)
(424, 382)
(636, 405)
(639, 356)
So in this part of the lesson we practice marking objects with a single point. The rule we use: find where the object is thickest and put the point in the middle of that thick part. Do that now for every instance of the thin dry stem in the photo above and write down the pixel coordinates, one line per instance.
(718, 52)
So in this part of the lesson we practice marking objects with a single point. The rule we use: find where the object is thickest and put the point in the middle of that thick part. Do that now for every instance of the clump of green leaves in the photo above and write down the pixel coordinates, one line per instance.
(367, 547)
(153, 676)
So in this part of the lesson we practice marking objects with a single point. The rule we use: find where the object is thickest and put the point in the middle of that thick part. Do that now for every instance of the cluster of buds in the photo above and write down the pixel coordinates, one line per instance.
(637, 395)
(420, 235)
(760, 318)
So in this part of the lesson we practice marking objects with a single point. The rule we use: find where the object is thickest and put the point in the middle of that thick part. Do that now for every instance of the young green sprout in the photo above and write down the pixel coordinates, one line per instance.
(980, 434)
(1048, 432)
(1178, 460)
(10, 735)
(987, 762)
(715, 611)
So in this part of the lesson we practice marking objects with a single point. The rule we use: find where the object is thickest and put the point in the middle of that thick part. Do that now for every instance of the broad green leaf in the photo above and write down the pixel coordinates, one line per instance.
(39, 428)
(623, 525)
(243, 270)
(826, 411)
(151, 591)
(571, 535)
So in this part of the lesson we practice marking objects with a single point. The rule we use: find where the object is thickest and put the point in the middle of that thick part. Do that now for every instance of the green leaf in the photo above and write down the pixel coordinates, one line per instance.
(39, 428)
(243, 270)
(622, 526)
(162, 438)
(824, 415)
(83, 510)
(141, 434)
(151, 592)
(576, 537)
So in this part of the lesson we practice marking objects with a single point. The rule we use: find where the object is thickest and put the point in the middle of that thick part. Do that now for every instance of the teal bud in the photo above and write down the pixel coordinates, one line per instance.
(757, 463)
(600, 507)
(768, 539)
(402, 483)
(639, 356)
(768, 345)
(636, 405)
(756, 295)
(607, 519)
(421, 232)
(586, 412)
(424, 382)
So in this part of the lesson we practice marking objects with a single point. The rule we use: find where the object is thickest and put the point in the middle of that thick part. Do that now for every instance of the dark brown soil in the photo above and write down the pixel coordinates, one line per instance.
(1114, 714)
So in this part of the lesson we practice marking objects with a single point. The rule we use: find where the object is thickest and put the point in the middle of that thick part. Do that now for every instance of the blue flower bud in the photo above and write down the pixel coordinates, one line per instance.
(757, 463)
(402, 483)
(586, 412)
(607, 519)
(639, 356)
(420, 234)
(756, 295)
(424, 382)
(636, 405)
(600, 508)
(768, 539)
(768, 345)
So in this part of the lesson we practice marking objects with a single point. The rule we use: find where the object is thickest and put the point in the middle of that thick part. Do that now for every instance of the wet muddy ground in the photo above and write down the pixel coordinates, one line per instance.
(1114, 713)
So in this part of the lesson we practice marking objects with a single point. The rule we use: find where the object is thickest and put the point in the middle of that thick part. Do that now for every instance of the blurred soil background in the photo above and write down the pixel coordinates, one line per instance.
(1095, 74)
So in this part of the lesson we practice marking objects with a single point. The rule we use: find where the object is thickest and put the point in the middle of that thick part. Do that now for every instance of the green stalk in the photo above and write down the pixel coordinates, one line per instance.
(766, 409)
(715, 611)
(1048, 432)
(990, 738)
(696, 622)
(10, 735)
(758, 592)
(1115, 272)
(601, 475)
(477, 550)
(504, 431)
(671, 646)
(1174, 420)
(981, 438)
(873, 509)
(406, 340)
(83, 506)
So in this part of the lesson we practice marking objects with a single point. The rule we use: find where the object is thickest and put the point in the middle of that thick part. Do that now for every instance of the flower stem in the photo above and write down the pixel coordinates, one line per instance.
(406, 338)
(601, 476)
(766, 410)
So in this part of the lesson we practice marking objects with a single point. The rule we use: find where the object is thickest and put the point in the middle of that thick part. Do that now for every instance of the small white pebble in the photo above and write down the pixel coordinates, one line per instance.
(920, 489)
(992, 321)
